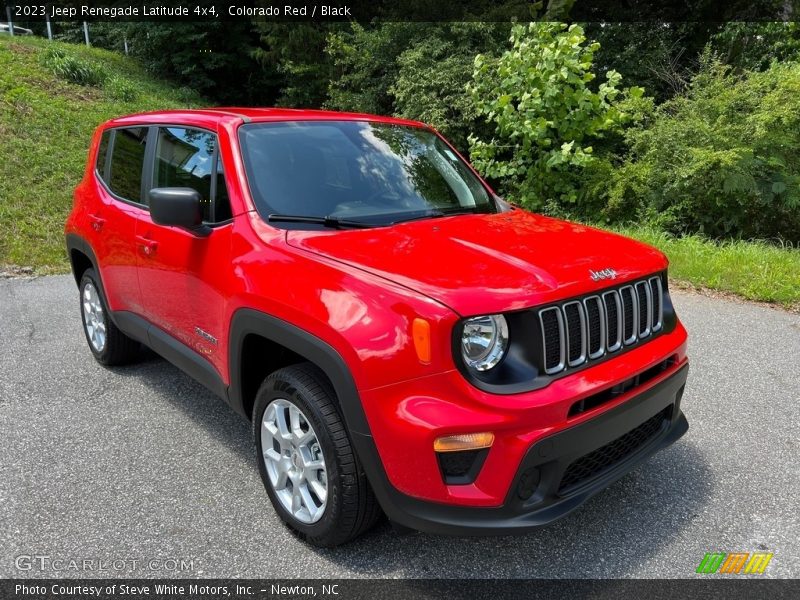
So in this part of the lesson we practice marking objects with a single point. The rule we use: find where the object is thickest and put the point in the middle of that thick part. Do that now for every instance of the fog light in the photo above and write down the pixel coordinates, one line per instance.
(463, 441)
(461, 468)
(528, 483)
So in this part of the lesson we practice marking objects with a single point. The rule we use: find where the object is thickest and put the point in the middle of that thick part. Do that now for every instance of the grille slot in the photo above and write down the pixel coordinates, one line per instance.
(595, 326)
(628, 314)
(645, 308)
(658, 308)
(586, 329)
(611, 302)
(595, 463)
(552, 335)
(575, 323)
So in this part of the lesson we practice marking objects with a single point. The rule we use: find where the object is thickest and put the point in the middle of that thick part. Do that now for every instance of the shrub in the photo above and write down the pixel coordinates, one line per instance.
(119, 88)
(187, 95)
(550, 119)
(432, 77)
(722, 159)
(73, 69)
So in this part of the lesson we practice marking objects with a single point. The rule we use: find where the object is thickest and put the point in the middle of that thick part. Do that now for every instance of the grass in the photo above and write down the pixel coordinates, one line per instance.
(46, 123)
(752, 270)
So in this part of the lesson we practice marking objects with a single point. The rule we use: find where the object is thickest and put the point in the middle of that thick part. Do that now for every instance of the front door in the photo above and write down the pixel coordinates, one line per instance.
(182, 275)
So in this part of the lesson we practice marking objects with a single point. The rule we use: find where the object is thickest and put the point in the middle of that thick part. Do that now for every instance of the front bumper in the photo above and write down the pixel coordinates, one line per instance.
(629, 432)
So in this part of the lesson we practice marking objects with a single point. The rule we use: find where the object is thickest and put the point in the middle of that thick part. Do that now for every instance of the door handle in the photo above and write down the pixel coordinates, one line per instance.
(97, 222)
(147, 245)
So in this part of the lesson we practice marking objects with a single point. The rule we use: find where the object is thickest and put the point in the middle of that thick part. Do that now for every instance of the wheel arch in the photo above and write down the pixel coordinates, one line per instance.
(81, 257)
(299, 345)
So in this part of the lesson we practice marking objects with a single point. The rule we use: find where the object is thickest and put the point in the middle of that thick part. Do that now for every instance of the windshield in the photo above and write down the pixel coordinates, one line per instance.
(371, 173)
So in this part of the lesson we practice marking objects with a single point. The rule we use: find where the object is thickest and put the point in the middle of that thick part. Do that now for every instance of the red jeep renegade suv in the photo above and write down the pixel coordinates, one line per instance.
(402, 339)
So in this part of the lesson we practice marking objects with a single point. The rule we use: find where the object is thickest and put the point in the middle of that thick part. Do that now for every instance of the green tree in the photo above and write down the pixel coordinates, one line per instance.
(412, 70)
(214, 58)
(432, 77)
(548, 121)
(365, 64)
(295, 52)
(660, 57)
(722, 159)
(756, 46)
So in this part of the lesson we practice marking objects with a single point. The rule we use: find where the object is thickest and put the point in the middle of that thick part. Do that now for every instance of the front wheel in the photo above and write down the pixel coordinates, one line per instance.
(306, 461)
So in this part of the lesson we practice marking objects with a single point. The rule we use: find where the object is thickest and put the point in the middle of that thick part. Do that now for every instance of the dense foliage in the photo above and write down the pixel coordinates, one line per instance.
(294, 60)
(688, 126)
(756, 46)
(216, 58)
(658, 57)
(722, 159)
(413, 70)
(548, 116)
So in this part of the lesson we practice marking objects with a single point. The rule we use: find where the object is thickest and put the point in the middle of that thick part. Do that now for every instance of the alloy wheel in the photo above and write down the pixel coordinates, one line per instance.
(294, 461)
(94, 320)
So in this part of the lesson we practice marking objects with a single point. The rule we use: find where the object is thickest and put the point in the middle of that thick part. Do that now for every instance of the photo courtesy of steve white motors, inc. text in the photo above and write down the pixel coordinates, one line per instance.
(169, 589)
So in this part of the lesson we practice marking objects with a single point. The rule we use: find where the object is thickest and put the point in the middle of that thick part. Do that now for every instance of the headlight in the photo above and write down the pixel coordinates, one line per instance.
(484, 341)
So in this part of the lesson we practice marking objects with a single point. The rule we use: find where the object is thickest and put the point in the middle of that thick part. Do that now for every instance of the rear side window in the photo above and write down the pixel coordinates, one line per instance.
(102, 152)
(127, 160)
(189, 158)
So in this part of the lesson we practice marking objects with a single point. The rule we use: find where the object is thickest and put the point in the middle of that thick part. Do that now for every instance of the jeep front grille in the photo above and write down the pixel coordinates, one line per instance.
(589, 328)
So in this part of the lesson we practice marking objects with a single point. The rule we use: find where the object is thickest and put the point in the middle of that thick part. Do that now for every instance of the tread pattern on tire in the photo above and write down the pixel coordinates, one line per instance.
(360, 509)
(119, 349)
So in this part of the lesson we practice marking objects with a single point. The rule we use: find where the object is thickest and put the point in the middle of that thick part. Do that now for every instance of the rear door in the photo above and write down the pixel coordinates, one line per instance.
(120, 166)
(181, 275)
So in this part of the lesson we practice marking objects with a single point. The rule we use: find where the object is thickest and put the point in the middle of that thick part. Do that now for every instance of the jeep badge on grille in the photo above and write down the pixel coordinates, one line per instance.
(603, 274)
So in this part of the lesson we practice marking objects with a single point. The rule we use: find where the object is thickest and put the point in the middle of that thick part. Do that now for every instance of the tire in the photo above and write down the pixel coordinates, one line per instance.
(286, 465)
(108, 344)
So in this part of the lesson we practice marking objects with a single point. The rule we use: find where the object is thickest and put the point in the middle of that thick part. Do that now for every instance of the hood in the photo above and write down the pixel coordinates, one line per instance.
(488, 263)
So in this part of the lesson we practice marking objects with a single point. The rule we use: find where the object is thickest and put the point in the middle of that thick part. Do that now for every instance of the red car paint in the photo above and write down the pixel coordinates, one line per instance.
(360, 290)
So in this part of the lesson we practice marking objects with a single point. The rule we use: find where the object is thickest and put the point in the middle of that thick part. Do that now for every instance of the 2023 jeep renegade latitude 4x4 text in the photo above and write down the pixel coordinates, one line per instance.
(403, 340)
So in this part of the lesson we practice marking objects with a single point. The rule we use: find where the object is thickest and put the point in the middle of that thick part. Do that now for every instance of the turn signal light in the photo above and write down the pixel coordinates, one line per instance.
(421, 332)
(463, 441)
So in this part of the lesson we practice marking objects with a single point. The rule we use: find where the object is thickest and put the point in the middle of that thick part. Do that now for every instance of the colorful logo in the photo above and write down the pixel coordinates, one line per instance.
(735, 562)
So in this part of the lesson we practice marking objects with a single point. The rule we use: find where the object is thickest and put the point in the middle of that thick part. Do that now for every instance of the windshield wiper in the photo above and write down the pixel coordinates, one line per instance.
(330, 222)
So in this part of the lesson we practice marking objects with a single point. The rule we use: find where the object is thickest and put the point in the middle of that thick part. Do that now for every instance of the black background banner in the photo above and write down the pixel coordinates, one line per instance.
(709, 587)
(409, 10)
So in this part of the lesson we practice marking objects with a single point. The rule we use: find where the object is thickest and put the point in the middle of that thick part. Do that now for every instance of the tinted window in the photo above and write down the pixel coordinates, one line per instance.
(372, 172)
(102, 151)
(127, 159)
(186, 158)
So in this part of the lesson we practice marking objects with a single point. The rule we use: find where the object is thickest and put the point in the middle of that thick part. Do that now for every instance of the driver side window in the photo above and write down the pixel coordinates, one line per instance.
(188, 157)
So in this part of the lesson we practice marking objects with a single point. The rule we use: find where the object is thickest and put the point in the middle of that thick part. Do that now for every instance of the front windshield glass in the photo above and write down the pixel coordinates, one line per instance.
(357, 171)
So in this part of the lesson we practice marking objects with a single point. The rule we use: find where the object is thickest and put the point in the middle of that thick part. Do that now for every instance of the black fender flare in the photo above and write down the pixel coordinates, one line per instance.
(246, 321)
(76, 242)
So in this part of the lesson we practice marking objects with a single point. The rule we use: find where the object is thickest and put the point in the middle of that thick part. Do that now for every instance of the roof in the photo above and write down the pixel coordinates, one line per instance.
(226, 113)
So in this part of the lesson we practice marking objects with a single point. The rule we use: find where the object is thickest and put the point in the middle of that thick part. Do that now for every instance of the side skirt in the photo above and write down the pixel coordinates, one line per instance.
(176, 352)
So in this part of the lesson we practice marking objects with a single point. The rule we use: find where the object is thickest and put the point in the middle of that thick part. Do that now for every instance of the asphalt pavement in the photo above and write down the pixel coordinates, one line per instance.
(143, 464)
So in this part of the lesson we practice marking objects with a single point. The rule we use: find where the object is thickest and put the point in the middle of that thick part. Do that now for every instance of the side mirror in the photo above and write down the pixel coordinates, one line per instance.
(178, 207)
